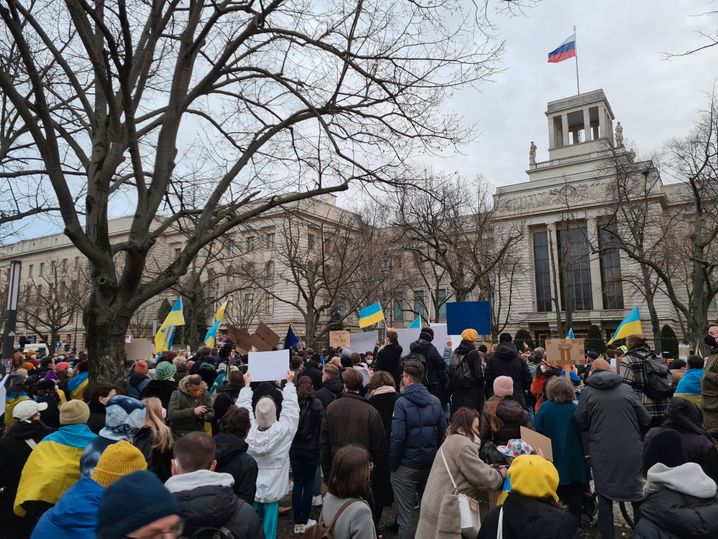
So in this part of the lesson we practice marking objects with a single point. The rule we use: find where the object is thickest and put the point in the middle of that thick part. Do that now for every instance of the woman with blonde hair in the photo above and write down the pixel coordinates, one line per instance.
(155, 439)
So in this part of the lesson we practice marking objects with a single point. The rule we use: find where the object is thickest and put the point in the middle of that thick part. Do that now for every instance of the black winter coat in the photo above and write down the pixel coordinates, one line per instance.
(331, 390)
(232, 458)
(161, 389)
(667, 514)
(388, 359)
(51, 416)
(512, 416)
(97, 417)
(472, 396)
(384, 404)
(314, 373)
(530, 518)
(306, 440)
(267, 389)
(217, 506)
(158, 462)
(505, 361)
(437, 375)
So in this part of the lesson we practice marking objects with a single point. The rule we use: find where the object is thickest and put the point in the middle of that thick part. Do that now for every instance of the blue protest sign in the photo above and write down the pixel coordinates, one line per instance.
(469, 314)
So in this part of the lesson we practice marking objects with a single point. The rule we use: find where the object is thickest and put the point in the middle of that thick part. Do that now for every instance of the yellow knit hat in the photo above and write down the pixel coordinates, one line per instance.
(117, 460)
(470, 335)
(533, 476)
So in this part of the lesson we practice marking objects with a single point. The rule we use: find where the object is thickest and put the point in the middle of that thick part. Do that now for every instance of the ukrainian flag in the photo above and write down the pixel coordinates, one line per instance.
(630, 325)
(210, 339)
(416, 324)
(165, 333)
(368, 316)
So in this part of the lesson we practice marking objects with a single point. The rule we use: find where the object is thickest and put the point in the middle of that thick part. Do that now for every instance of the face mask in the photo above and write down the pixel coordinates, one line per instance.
(710, 341)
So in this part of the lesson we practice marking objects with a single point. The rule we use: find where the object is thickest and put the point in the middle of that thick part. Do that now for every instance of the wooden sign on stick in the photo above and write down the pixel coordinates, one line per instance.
(240, 337)
(265, 333)
(565, 351)
(339, 339)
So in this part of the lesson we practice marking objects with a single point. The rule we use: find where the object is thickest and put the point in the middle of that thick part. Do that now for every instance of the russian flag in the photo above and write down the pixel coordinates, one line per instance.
(566, 50)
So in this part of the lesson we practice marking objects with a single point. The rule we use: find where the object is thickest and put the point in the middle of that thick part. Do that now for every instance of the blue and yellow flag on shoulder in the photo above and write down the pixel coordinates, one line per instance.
(368, 316)
(165, 333)
(630, 325)
(210, 339)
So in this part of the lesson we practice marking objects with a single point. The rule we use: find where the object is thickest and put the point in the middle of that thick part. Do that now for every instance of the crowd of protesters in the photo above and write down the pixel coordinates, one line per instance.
(190, 446)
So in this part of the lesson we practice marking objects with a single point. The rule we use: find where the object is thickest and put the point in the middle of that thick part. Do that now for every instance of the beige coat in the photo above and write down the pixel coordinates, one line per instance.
(439, 517)
(709, 387)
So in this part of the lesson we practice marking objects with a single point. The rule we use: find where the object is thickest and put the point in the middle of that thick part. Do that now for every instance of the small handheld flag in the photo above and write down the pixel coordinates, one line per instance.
(210, 338)
(570, 334)
(165, 333)
(630, 325)
(291, 339)
(416, 324)
(370, 315)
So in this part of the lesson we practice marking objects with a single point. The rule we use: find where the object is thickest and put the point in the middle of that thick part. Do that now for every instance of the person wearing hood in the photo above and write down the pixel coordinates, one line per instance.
(232, 456)
(205, 496)
(164, 384)
(531, 509)
(684, 417)
(190, 406)
(80, 379)
(709, 384)
(679, 499)
(45, 392)
(388, 357)
(15, 447)
(269, 441)
(54, 464)
(75, 514)
(97, 395)
(16, 392)
(611, 411)
(503, 416)
(433, 363)
(125, 417)
(468, 389)
(332, 387)
(505, 361)
(417, 431)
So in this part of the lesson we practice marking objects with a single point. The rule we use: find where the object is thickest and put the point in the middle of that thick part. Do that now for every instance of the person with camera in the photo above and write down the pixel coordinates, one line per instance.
(190, 406)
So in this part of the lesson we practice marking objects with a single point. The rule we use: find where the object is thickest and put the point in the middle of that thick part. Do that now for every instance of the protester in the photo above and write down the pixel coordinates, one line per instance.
(531, 509)
(97, 395)
(54, 465)
(679, 499)
(154, 439)
(435, 375)
(269, 441)
(79, 381)
(689, 386)
(304, 453)
(16, 392)
(15, 447)
(466, 374)
(313, 369)
(503, 416)
(684, 418)
(457, 468)
(612, 414)
(417, 431)
(164, 385)
(138, 505)
(232, 456)
(388, 357)
(125, 417)
(505, 361)
(348, 487)
(332, 387)
(206, 496)
(633, 370)
(75, 514)
(556, 420)
(46, 394)
(190, 406)
(544, 373)
(227, 394)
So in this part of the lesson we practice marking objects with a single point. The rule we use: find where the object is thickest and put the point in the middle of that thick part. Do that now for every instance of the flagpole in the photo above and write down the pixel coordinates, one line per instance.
(575, 45)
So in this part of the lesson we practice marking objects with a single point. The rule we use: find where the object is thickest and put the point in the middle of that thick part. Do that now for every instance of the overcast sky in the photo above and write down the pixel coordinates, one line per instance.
(620, 47)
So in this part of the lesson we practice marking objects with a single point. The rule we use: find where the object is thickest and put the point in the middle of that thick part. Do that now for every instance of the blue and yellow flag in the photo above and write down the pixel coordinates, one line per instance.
(370, 315)
(570, 334)
(630, 325)
(416, 324)
(165, 333)
(210, 338)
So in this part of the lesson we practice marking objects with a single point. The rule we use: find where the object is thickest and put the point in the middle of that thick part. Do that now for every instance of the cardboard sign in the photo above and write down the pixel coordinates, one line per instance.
(461, 315)
(565, 351)
(240, 337)
(339, 339)
(538, 441)
(265, 333)
(139, 349)
(362, 341)
(268, 366)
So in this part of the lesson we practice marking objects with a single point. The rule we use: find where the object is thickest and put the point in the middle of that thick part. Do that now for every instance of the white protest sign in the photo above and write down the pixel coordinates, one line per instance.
(406, 337)
(268, 366)
(441, 335)
(3, 394)
(363, 341)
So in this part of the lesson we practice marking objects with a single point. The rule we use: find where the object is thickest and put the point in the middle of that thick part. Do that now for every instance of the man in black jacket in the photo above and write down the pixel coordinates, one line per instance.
(426, 353)
(332, 387)
(206, 496)
(388, 357)
(505, 361)
(232, 457)
(314, 371)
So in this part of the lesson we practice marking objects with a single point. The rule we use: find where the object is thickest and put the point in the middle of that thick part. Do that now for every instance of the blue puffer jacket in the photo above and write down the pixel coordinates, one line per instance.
(417, 429)
(75, 514)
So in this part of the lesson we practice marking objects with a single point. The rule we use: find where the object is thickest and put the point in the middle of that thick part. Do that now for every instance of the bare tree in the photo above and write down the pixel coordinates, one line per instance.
(203, 114)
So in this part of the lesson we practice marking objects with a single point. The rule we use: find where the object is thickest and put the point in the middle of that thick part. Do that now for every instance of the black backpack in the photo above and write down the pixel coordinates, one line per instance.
(659, 381)
(421, 358)
(460, 371)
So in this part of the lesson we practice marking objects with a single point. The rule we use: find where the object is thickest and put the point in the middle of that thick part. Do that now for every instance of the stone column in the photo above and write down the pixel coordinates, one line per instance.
(564, 128)
(586, 125)
(595, 265)
(551, 134)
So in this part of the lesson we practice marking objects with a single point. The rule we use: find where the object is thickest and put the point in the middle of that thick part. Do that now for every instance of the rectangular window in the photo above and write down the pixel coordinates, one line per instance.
(398, 310)
(269, 305)
(574, 269)
(250, 243)
(64, 265)
(248, 300)
(270, 240)
(419, 304)
(178, 252)
(575, 126)
(310, 241)
(542, 272)
(441, 301)
(42, 269)
(30, 271)
(610, 269)
(77, 263)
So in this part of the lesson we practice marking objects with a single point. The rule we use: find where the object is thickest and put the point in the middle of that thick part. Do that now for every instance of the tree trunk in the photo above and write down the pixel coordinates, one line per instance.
(105, 343)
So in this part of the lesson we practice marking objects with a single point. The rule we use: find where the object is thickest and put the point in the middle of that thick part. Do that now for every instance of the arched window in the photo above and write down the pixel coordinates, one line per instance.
(269, 270)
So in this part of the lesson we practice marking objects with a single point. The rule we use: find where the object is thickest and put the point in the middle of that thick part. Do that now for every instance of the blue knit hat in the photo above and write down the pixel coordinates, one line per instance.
(132, 502)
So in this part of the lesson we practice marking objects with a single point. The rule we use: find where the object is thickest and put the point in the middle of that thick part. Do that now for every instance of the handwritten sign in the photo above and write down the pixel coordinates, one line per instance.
(565, 351)
(339, 339)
